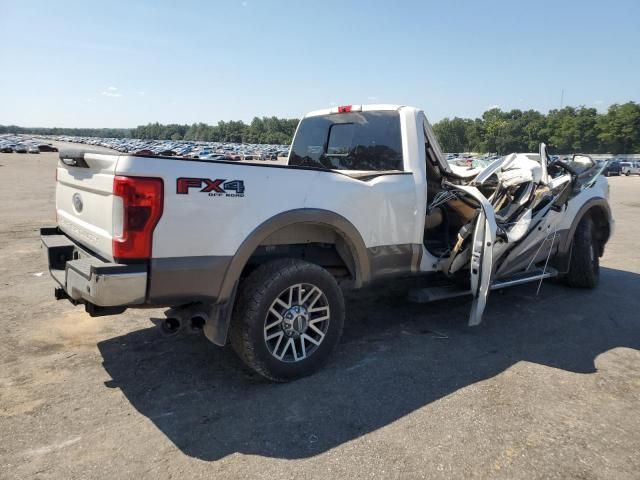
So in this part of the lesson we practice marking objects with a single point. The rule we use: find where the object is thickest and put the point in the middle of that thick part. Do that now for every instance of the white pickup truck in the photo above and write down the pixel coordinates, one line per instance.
(630, 168)
(258, 254)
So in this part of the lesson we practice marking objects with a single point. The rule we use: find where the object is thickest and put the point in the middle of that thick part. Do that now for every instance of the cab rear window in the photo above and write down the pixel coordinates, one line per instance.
(369, 141)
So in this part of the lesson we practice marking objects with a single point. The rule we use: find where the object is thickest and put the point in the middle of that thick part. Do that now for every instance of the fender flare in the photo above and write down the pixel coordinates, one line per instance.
(562, 258)
(220, 314)
(336, 222)
(598, 202)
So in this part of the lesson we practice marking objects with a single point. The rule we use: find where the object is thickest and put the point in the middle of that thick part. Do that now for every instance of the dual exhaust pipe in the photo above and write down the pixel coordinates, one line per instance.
(190, 319)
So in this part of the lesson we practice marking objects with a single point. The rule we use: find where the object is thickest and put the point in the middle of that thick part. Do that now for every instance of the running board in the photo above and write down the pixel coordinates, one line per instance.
(433, 294)
(524, 277)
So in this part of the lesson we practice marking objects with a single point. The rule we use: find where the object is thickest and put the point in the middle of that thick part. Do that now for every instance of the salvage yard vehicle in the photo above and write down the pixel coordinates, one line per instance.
(45, 147)
(630, 168)
(258, 254)
(612, 167)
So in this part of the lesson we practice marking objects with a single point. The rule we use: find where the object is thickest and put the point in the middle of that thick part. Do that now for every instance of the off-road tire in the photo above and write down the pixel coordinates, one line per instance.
(584, 269)
(255, 296)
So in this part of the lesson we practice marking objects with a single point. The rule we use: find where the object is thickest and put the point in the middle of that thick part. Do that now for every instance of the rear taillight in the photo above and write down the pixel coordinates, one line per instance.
(137, 208)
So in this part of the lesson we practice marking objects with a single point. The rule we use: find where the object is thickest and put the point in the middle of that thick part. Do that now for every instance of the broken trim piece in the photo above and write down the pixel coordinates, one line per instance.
(484, 236)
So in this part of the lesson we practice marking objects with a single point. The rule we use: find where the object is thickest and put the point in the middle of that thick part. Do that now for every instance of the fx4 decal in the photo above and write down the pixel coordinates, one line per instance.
(215, 188)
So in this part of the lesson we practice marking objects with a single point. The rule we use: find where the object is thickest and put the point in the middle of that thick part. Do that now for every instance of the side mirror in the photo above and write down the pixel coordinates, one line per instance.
(584, 161)
(581, 163)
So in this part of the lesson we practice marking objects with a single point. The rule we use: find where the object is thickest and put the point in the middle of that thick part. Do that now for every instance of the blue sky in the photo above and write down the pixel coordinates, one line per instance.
(121, 64)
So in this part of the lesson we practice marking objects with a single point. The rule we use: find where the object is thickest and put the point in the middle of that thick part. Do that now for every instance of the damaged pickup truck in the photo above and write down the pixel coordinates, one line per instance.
(258, 254)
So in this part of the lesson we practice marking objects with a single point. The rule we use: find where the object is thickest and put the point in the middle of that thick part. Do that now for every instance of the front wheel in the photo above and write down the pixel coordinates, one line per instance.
(287, 319)
(584, 270)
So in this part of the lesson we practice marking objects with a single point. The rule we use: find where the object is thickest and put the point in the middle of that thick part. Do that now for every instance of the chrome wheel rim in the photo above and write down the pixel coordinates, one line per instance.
(297, 322)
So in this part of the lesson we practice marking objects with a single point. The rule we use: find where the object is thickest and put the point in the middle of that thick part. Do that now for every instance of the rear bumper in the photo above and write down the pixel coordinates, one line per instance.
(88, 279)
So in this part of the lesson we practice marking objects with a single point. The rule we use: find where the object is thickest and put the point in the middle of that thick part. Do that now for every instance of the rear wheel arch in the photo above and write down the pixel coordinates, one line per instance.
(315, 226)
(316, 243)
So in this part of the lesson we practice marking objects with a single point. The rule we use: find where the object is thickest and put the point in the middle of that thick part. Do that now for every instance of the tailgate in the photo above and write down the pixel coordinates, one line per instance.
(85, 200)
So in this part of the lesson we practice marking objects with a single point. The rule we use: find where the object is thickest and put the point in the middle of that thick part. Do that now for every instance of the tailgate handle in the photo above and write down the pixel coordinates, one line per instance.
(73, 159)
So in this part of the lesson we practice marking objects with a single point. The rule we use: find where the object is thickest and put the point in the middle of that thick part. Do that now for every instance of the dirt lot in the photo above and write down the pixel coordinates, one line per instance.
(548, 387)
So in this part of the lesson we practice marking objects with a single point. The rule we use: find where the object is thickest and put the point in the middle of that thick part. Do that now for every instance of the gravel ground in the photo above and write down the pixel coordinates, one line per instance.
(547, 387)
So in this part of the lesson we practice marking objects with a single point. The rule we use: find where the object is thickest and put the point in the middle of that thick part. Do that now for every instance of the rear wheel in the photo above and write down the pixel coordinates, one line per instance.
(584, 270)
(287, 319)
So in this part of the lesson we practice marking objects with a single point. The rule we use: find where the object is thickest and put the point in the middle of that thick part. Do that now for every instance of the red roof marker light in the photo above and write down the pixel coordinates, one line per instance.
(344, 109)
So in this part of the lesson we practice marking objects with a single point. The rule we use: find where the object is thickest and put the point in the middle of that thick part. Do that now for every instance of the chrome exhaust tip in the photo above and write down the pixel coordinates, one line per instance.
(197, 322)
(171, 326)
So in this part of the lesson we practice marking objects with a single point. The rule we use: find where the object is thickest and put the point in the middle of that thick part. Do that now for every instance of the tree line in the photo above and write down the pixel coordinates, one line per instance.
(565, 130)
(270, 130)
(76, 132)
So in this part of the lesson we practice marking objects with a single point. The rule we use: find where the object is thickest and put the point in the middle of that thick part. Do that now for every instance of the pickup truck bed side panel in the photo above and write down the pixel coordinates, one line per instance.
(200, 224)
(212, 278)
(205, 236)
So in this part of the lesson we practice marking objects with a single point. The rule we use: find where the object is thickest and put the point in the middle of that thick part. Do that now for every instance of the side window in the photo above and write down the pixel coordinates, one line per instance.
(582, 162)
(369, 141)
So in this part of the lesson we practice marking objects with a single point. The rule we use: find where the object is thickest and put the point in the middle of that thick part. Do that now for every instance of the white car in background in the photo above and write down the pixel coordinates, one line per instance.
(630, 168)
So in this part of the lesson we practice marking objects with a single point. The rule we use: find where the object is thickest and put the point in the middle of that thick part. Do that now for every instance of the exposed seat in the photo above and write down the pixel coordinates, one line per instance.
(464, 173)
(521, 170)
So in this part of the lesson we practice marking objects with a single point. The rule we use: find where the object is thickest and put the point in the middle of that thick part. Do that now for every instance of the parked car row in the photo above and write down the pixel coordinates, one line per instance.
(238, 151)
(182, 148)
(630, 168)
(620, 167)
(611, 167)
(19, 144)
